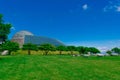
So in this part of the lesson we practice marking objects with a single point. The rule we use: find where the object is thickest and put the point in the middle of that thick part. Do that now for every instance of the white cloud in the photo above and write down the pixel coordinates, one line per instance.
(85, 7)
(103, 48)
(112, 6)
(118, 9)
(13, 28)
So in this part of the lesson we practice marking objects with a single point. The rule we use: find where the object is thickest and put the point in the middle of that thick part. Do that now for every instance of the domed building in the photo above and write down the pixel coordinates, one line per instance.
(23, 37)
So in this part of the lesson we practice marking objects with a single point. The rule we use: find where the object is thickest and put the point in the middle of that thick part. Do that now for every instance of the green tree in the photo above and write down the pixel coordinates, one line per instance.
(93, 50)
(61, 48)
(86, 50)
(83, 50)
(116, 50)
(4, 29)
(10, 46)
(29, 47)
(47, 47)
(109, 52)
(71, 49)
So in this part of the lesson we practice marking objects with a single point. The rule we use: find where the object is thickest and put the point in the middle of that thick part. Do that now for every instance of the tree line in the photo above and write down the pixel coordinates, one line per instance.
(13, 46)
(46, 48)
(114, 50)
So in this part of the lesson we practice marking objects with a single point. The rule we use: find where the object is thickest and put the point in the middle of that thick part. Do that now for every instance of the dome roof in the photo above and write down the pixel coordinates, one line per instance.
(21, 34)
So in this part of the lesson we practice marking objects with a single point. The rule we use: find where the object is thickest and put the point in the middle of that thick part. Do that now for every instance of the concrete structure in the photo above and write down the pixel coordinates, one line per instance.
(23, 37)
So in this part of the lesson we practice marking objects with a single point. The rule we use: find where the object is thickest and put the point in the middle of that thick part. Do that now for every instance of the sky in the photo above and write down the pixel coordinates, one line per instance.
(93, 23)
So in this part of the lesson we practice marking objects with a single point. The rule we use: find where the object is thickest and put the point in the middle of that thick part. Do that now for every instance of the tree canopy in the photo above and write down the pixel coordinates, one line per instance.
(81, 49)
(29, 47)
(93, 50)
(116, 50)
(10, 46)
(85, 50)
(47, 48)
(109, 52)
(71, 49)
(4, 29)
(61, 48)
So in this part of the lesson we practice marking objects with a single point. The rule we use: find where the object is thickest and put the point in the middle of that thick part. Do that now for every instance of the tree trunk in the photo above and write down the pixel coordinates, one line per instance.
(60, 52)
(29, 52)
(46, 52)
(71, 52)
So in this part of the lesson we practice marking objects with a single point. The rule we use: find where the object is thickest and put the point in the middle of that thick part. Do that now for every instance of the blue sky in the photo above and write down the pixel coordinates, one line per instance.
(74, 22)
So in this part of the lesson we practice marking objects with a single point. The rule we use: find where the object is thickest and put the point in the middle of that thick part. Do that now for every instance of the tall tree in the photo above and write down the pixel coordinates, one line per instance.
(10, 46)
(61, 48)
(47, 47)
(29, 47)
(4, 29)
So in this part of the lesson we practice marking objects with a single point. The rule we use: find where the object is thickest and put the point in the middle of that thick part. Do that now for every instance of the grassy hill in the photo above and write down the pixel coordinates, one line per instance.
(55, 67)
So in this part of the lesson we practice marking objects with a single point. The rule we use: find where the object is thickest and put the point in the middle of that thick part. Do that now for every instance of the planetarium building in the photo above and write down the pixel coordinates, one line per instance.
(23, 37)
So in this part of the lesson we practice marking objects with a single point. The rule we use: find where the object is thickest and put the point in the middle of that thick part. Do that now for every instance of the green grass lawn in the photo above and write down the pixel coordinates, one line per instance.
(55, 67)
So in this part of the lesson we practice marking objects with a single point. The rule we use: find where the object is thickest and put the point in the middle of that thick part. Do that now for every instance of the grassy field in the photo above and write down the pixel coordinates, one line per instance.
(56, 67)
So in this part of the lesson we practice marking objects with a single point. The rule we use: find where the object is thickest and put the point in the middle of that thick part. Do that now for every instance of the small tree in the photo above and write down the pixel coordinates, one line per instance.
(116, 50)
(61, 48)
(109, 52)
(10, 46)
(71, 49)
(47, 48)
(94, 50)
(29, 47)
(83, 50)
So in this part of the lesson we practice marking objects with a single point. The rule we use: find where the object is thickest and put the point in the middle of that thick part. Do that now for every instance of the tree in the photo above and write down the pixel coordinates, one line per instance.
(61, 48)
(116, 50)
(83, 50)
(93, 50)
(109, 52)
(10, 46)
(29, 47)
(4, 29)
(71, 49)
(47, 48)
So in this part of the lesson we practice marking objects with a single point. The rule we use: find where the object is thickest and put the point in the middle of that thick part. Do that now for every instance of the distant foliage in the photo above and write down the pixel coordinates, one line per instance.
(10, 46)
(85, 50)
(71, 49)
(93, 50)
(109, 52)
(82, 49)
(47, 47)
(116, 50)
(61, 48)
